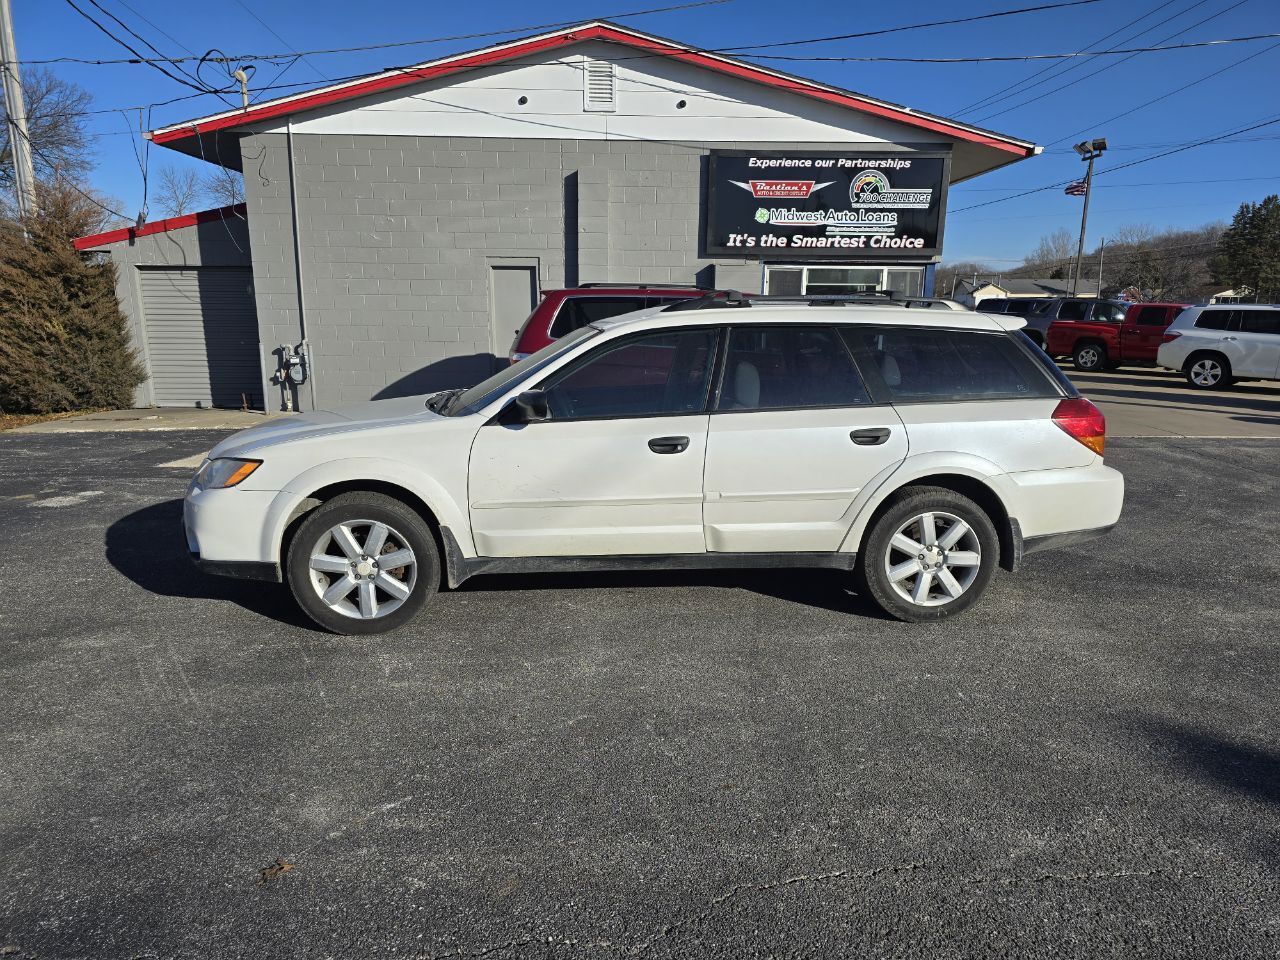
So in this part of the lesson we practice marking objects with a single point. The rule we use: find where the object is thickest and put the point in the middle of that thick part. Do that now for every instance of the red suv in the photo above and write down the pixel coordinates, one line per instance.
(563, 311)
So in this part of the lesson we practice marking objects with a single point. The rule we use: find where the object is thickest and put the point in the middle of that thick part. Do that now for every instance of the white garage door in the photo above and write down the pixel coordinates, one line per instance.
(202, 336)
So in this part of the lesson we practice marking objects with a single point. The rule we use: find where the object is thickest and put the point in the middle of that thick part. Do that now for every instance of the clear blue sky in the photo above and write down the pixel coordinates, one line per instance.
(1215, 179)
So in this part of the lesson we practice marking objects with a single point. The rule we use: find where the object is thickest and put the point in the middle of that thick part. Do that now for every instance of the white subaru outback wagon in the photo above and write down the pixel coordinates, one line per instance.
(916, 449)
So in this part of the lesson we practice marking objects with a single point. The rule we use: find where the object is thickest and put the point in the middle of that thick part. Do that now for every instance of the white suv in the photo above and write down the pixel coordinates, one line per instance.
(1217, 345)
(917, 449)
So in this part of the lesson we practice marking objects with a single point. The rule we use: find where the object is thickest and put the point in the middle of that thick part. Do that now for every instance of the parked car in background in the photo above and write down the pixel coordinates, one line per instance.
(563, 311)
(1011, 306)
(916, 450)
(1095, 345)
(1071, 309)
(1214, 346)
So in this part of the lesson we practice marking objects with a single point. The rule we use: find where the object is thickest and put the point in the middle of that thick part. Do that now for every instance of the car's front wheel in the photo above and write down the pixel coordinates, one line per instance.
(362, 563)
(929, 556)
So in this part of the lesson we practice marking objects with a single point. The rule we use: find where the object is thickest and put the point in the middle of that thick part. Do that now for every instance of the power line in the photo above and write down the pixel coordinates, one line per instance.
(1109, 66)
(1113, 186)
(1026, 56)
(177, 79)
(1123, 166)
(1170, 93)
(409, 43)
(759, 46)
(991, 97)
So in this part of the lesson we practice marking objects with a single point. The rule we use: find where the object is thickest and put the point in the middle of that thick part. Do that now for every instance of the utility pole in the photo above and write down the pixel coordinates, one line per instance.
(1089, 150)
(1102, 259)
(24, 174)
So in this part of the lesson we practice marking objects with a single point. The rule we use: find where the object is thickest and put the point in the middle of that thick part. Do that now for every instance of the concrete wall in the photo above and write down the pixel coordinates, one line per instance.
(397, 234)
(221, 243)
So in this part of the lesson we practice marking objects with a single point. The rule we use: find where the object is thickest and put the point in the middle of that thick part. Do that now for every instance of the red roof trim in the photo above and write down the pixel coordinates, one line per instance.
(159, 226)
(591, 32)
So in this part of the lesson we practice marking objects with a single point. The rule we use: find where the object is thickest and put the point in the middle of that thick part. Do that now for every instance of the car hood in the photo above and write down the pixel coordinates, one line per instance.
(318, 423)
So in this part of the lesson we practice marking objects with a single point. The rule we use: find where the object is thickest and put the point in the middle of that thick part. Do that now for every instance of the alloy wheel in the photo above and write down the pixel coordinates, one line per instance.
(362, 569)
(1088, 358)
(933, 559)
(1206, 372)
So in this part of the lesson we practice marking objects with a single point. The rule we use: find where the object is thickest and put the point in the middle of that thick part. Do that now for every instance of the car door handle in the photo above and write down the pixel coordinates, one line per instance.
(1228, 338)
(870, 437)
(669, 444)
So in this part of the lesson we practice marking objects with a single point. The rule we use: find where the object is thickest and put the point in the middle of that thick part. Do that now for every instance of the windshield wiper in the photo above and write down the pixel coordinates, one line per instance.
(438, 402)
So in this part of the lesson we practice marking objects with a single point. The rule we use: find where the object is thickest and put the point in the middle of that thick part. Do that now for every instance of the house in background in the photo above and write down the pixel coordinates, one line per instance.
(1017, 289)
(398, 228)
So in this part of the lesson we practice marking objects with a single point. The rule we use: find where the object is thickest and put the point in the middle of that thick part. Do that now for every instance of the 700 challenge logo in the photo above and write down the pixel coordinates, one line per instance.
(871, 188)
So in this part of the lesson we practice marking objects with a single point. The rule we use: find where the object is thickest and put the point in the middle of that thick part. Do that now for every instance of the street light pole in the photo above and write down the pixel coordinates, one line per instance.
(24, 175)
(1089, 150)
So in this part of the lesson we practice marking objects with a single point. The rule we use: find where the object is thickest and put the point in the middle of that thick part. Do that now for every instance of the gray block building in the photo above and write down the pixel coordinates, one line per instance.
(398, 228)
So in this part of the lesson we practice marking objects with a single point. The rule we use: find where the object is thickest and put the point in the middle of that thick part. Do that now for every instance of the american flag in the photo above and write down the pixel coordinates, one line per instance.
(1076, 189)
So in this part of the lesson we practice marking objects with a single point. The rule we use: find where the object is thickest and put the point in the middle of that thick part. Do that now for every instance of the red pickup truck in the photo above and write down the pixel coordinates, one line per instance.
(1105, 345)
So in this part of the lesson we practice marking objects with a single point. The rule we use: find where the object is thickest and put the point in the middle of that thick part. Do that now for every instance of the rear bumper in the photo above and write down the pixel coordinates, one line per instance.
(1064, 502)
(240, 569)
(1051, 541)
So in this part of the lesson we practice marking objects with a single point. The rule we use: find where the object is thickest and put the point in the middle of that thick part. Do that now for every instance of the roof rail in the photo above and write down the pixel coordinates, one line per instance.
(640, 286)
(734, 298)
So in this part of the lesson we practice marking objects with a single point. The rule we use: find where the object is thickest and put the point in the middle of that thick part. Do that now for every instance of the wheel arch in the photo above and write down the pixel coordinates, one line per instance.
(321, 484)
(972, 480)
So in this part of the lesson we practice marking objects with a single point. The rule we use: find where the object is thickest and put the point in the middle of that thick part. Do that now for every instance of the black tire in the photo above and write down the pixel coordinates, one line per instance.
(1091, 357)
(1208, 371)
(406, 528)
(872, 573)
(1036, 337)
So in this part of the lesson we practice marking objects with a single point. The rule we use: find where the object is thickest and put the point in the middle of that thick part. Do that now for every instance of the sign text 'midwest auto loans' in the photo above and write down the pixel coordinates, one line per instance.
(768, 205)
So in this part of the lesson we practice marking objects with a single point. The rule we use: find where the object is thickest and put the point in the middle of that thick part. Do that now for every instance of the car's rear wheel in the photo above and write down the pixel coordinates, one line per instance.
(362, 563)
(1090, 357)
(1208, 371)
(929, 556)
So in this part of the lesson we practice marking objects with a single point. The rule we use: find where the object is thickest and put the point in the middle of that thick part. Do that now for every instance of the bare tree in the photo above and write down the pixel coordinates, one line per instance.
(222, 187)
(177, 192)
(61, 145)
(1054, 254)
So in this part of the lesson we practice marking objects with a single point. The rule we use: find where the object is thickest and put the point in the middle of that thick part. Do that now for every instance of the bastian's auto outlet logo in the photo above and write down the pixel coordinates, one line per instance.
(871, 188)
(782, 189)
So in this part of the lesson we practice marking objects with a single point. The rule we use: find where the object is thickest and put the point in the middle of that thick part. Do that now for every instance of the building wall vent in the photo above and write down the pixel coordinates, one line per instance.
(599, 91)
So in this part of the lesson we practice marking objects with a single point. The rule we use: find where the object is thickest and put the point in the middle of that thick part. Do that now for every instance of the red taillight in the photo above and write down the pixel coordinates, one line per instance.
(1169, 337)
(1083, 421)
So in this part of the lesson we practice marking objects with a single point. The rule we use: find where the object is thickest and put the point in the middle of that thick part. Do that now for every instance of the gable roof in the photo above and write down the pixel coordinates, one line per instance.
(569, 36)
(159, 226)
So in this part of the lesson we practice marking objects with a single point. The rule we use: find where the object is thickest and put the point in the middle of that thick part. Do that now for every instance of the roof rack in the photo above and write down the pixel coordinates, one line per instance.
(640, 286)
(733, 298)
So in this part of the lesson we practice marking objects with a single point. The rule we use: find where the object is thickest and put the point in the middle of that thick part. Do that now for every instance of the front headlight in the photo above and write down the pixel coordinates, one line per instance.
(225, 472)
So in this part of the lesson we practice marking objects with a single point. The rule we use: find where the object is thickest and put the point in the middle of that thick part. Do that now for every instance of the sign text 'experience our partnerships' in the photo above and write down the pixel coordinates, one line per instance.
(826, 205)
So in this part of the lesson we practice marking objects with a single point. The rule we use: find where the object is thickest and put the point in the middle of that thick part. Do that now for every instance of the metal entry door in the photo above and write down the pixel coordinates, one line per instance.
(202, 336)
(513, 292)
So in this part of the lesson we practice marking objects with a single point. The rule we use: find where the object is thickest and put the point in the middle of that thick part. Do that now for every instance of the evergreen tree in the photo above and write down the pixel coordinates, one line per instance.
(1248, 257)
(64, 344)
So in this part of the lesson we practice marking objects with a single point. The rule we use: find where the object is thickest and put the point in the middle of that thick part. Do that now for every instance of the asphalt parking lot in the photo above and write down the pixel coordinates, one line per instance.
(732, 765)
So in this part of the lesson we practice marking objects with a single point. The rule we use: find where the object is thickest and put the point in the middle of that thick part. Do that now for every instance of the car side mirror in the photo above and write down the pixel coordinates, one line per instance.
(532, 406)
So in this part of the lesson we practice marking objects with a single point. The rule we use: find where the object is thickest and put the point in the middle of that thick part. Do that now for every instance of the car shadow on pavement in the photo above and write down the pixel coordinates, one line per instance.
(148, 547)
(1189, 401)
(821, 589)
(1240, 768)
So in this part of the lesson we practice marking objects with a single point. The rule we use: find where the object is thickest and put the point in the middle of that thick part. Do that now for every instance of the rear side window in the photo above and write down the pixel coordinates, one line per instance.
(788, 367)
(1073, 309)
(1218, 320)
(1108, 312)
(991, 305)
(577, 312)
(1020, 308)
(1152, 316)
(1259, 321)
(920, 366)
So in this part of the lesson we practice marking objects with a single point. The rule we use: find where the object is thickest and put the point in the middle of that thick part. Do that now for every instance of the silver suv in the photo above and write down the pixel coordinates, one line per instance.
(1216, 345)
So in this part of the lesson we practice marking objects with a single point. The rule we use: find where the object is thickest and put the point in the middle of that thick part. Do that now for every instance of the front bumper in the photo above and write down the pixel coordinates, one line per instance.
(240, 569)
(228, 530)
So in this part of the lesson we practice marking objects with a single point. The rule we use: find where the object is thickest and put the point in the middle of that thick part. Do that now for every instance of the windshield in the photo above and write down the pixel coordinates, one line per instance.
(484, 392)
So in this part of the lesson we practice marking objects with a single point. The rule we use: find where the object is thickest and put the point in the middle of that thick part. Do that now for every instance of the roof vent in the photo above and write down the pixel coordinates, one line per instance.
(599, 90)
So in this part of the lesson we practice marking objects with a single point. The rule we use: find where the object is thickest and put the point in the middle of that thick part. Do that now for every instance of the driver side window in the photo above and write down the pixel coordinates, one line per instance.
(658, 374)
